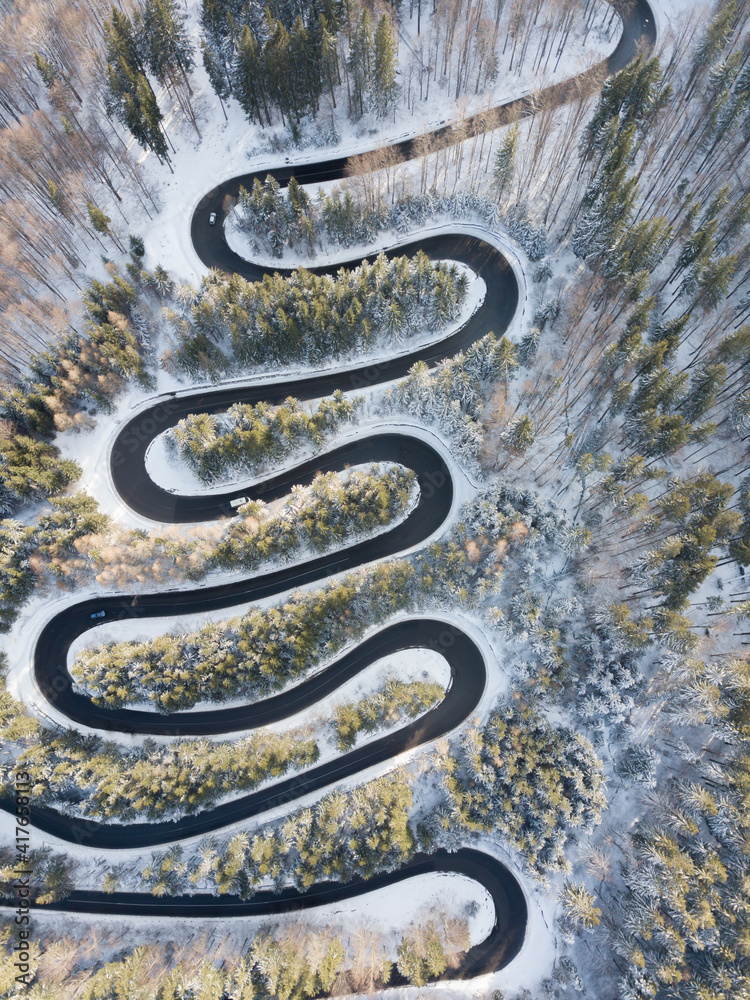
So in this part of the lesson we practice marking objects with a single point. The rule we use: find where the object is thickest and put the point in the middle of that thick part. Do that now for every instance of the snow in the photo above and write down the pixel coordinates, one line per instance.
(19, 642)
(313, 723)
(227, 149)
(427, 894)
(168, 470)
(91, 449)
(407, 665)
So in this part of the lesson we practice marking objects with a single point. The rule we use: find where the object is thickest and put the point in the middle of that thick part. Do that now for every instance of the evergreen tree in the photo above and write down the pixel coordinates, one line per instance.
(609, 201)
(578, 906)
(152, 118)
(383, 86)
(46, 70)
(130, 96)
(217, 74)
(165, 41)
(219, 24)
(522, 434)
(249, 80)
(505, 160)
(359, 63)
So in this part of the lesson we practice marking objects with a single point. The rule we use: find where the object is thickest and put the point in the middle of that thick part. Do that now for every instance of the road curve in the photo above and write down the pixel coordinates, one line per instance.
(467, 665)
(127, 463)
(494, 952)
(638, 35)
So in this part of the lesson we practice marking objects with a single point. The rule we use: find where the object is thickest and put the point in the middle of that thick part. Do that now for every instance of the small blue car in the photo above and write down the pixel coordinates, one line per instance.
(98, 614)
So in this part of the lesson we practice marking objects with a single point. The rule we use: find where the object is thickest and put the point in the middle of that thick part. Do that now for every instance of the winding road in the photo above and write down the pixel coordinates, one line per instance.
(468, 671)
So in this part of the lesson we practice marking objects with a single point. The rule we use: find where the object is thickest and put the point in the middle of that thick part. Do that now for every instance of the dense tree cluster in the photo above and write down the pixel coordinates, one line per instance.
(454, 394)
(396, 700)
(52, 539)
(297, 962)
(283, 61)
(51, 879)
(96, 778)
(358, 214)
(260, 653)
(422, 951)
(63, 385)
(234, 324)
(682, 924)
(606, 666)
(74, 543)
(317, 518)
(247, 439)
(290, 967)
(155, 40)
(289, 59)
(530, 780)
(698, 509)
(342, 836)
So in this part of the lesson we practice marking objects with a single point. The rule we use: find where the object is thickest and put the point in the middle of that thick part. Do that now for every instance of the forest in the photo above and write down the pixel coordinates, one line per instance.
(234, 325)
(596, 548)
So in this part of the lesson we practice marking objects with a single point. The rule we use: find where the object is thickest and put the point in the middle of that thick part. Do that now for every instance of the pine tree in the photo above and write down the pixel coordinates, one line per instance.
(218, 21)
(383, 85)
(152, 119)
(249, 81)
(165, 40)
(505, 161)
(521, 435)
(578, 905)
(46, 70)
(129, 94)
(217, 74)
(100, 221)
(359, 63)
(123, 61)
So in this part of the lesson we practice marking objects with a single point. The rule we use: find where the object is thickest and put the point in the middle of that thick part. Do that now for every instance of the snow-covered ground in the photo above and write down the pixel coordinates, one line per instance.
(167, 469)
(91, 449)
(235, 146)
(228, 148)
(20, 640)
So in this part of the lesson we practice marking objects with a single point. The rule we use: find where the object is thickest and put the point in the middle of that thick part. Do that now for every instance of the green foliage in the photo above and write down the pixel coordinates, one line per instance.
(77, 374)
(384, 88)
(328, 513)
(343, 836)
(236, 324)
(384, 708)
(248, 657)
(32, 470)
(279, 67)
(286, 967)
(129, 96)
(99, 220)
(248, 438)
(154, 782)
(578, 906)
(505, 160)
(421, 956)
(698, 507)
(54, 534)
(529, 780)
(16, 575)
(165, 41)
(521, 434)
